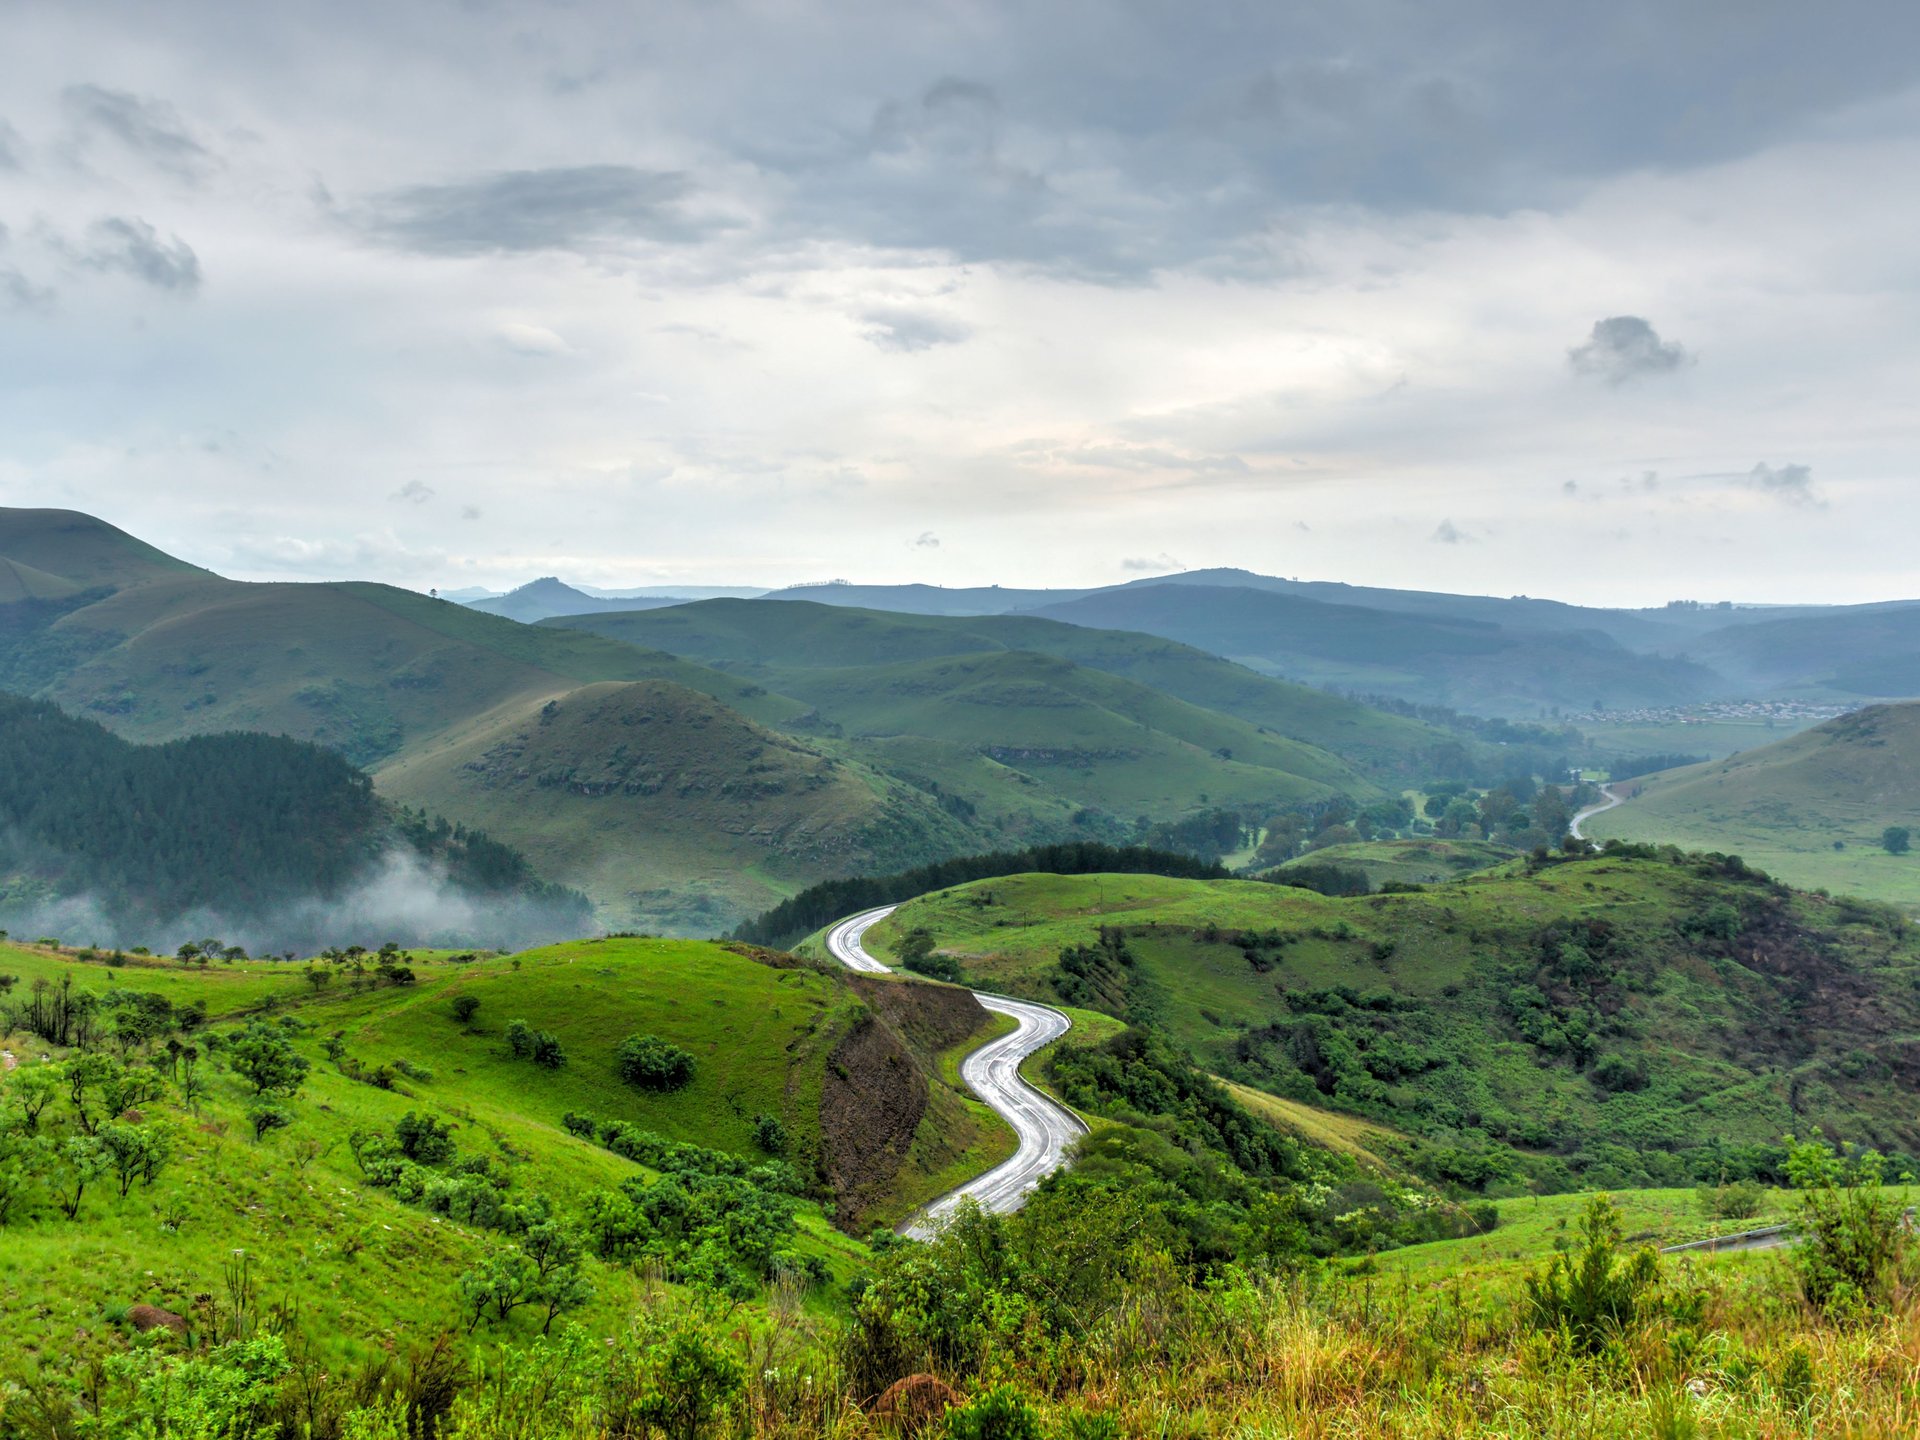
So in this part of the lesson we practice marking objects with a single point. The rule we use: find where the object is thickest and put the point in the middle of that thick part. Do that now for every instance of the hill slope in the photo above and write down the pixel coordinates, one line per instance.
(775, 642)
(1787, 806)
(1470, 664)
(1609, 1021)
(670, 809)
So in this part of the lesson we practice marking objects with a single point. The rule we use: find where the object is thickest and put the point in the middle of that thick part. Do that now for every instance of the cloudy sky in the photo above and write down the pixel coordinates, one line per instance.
(1610, 302)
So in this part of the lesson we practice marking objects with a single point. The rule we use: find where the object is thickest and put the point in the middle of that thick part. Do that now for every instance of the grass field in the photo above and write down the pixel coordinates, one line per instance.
(1409, 862)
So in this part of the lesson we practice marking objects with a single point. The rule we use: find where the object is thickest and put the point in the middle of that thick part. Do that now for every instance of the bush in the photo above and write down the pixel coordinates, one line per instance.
(770, 1135)
(1731, 1199)
(1854, 1241)
(424, 1139)
(1001, 1413)
(547, 1052)
(1600, 1291)
(465, 1007)
(647, 1062)
(520, 1038)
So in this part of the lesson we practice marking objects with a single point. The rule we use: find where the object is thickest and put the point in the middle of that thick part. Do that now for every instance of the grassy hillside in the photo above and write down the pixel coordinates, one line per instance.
(1810, 808)
(1408, 862)
(773, 641)
(365, 1268)
(1853, 652)
(1613, 1020)
(670, 809)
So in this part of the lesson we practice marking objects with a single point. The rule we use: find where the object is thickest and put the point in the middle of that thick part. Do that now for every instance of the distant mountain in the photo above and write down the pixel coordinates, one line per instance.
(539, 599)
(924, 599)
(1857, 651)
(1461, 660)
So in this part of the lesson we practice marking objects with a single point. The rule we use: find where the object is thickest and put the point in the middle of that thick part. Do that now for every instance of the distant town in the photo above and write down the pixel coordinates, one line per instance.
(1739, 712)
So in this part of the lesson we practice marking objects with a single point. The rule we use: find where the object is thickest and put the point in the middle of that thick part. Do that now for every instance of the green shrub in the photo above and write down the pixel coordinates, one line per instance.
(1599, 1290)
(647, 1062)
(1731, 1199)
(1002, 1413)
(1854, 1242)
(465, 1007)
(423, 1139)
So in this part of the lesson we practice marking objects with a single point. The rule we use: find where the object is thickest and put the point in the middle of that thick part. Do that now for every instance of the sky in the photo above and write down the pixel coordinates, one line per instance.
(1615, 304)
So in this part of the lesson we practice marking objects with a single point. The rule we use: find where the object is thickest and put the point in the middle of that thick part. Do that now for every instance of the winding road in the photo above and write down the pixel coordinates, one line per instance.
(1607, 803)
(1046, 1128)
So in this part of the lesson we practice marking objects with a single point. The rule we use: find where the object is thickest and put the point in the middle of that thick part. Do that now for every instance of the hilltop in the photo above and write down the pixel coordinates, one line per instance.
(1811, 808)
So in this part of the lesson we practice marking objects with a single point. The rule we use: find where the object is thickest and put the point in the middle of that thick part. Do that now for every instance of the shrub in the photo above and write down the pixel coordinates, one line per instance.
(268, 1117)
(689, 1377)
(1001, 1413)
(1731, 1199)
(546, 1050)
(647, 1062)
(424, 1139)
(769, 1134)
(1853, 1234)
(465, 1007)
(1599, 1291)
(520, 1038)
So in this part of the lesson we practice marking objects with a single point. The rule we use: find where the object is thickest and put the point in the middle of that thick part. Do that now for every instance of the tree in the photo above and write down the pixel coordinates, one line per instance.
(647, 1062)
(266, 1059)
(465, 1007)
(265, 1116)
(318, 976)
(33, 1090)
(520, 1038)
(76, 1165)
(22, 1157)
(134, 1152)
(502, 1282)
(1600, 1290)
(547, 1053)
(1897, 839)
(423, 1139)
(1854, 1242)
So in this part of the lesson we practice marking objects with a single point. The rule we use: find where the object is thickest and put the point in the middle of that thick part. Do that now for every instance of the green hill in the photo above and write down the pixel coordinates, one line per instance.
(778, 643)
(670, 809)
(1810, 808)
(839, 1080)
(1616, 1020)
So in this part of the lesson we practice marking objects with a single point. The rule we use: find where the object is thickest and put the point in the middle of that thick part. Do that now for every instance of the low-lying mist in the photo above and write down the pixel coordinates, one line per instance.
(403, 897)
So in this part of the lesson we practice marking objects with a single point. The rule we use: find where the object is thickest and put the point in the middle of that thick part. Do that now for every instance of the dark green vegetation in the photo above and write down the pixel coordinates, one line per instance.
(832, 900)
(1813, 808)
(1633, 1018)
(241, 832)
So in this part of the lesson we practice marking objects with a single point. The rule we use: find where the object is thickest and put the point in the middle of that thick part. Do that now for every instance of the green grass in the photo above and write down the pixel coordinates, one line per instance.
(1409, 862)
(1785, 806)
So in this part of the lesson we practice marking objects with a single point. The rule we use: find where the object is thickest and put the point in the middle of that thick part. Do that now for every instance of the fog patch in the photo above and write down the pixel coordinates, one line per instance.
(402, 897)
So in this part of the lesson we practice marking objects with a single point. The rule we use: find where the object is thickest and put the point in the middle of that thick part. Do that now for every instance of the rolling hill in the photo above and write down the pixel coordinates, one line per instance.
(780, 644)
(672, 810)
(538, 599)
(1622, 1019)
(1810, 808)
(1475, 664)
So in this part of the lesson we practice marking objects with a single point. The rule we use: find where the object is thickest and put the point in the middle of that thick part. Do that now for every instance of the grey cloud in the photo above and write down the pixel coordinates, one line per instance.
(1151, 564)
(414, 492)
(893, 328)
(18, 294)
(928, 540)
(469, 512)
(10, 147)
(1153, 457)
(1447, 533)
(131, 246)
(151, 129)
(1623, 348)
(1791, 484)
(583, 208)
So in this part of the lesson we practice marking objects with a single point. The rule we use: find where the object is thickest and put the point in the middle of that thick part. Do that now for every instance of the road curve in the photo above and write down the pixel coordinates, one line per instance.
(1608, 801)
(1045, 1127)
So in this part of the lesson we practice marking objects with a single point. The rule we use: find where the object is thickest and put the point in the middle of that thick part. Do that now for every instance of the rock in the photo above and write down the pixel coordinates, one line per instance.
(151, 1317)
(916, 1403)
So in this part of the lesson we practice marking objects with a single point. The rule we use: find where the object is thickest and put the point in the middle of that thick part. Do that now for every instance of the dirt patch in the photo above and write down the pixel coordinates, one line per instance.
(877, 1086)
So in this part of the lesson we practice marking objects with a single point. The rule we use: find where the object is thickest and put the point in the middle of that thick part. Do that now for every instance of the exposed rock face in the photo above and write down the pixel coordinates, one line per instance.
(877, 1084)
